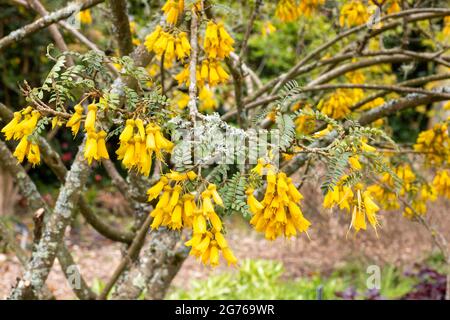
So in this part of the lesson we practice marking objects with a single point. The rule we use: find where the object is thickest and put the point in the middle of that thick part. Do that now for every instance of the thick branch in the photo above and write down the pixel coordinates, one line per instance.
(35, 202)
(121, 26)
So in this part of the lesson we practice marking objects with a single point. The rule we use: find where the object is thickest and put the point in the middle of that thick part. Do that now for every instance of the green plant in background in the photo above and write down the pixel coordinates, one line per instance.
(262, 279)
(257, 279)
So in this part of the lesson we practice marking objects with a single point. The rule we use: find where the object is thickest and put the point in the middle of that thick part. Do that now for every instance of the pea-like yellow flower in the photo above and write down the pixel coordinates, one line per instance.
(91, 117)
(353, 13)
(75, 120)
(172, 10)
(287, 10)
(217, 43)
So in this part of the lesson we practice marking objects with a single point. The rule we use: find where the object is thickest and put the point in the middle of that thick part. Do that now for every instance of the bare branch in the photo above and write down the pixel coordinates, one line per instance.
(46, 21)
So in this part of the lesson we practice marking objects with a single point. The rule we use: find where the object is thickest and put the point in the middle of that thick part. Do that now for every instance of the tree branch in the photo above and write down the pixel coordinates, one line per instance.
(121, 26)
(46, 21)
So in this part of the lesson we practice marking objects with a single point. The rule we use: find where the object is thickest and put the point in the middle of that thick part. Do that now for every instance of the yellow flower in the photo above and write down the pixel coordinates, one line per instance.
(89, 124)
(207, 101)
(85, 16)
(278, 213)
(22, 149)
(150, 40)
(75, 120)
(11, 127)
(90, 150)
(394, 7)
(172, 10)
(338, 104)
(213, 73)
(217, 199)
(102, 151)
(207, 248)
(267, 28)
(435, 144)
(217, 43)
(308, 7)
(154, 191)
(442, 183)
(354, 163)
(34, 155)
(353, 13)
(22, 124)
(287, 10)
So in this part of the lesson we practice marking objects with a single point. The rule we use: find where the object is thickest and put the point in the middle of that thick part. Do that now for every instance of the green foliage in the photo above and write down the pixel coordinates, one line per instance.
(233, 194)
(286, 131)
(263, 279)
(337, 166)
(257, 279)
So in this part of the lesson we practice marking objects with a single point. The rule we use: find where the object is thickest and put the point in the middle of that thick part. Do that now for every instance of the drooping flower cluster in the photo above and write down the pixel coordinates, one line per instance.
(337, 106)
(95, 148)
(218, 44)
(174, 209)
(279, 213)
(435, 144)
(177, 209)
(359, 202)
(138, 142)
(442, 183)
(417, 191)
(308, 7)
(75, 120)
(287, 10)
(353, 13)
(170, 45)
(21, 128)
(213, 73)
(172, 10)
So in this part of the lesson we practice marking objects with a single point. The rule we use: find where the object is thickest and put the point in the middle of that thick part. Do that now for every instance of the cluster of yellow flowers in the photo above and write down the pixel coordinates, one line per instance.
(359, 202)
(172, 46)
(337, 106)
(172, 10)
(217, 43)
(442, 183)
(279, 212)
(139, 142)
(176, 209)
(353, 13)
(20, 128)
(289, 10)
(419, 192)
(95, 148)
(211, 73)
(435, 144)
